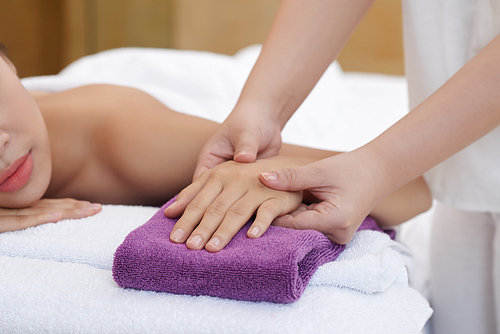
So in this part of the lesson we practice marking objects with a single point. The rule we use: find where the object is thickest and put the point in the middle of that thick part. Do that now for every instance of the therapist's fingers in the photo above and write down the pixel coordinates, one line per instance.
(216, 151)
(323, 217)
(295, 178)
(246, 146)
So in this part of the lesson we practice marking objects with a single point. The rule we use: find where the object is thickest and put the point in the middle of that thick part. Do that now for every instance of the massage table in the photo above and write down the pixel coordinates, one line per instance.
(56, 278)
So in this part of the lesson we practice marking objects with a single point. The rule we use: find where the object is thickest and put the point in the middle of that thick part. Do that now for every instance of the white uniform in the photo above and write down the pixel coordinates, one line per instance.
(440, 37)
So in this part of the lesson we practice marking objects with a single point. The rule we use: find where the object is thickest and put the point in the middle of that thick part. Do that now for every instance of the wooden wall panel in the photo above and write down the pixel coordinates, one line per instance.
(31, 31)
(76, 30)
(45, 35)
(377, 43)
(118, 23)
(225, 26)
(222, 26)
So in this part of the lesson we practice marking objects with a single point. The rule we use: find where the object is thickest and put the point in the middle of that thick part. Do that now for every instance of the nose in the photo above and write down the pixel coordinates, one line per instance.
(4, 140)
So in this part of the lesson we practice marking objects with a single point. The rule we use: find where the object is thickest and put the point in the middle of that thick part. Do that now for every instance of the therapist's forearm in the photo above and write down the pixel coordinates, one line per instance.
(463, 110)
(305, 38)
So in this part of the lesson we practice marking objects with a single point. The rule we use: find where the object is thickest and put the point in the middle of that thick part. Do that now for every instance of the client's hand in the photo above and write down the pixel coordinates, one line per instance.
(223, 199)
(45, 211)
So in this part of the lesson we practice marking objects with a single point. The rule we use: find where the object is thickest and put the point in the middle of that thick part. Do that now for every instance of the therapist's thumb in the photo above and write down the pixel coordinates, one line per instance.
(246, 148)
(290, 179)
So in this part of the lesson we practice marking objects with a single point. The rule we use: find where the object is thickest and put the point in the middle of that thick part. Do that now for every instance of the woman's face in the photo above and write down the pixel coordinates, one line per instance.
(25, 161)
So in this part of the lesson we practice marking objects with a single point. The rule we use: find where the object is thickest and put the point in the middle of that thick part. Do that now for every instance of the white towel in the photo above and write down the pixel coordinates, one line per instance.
(42, 296)
(370, 263)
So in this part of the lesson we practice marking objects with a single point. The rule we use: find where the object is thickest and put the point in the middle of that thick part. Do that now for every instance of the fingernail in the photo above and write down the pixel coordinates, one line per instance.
(270, 176)
(254, 231)
(95, 206)
(195, 241)
(215, 242)
(178, 235)
(240, 153)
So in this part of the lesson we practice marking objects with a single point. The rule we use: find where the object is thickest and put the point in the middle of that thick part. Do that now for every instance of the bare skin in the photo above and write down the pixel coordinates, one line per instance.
(98, 157)
(118, 145)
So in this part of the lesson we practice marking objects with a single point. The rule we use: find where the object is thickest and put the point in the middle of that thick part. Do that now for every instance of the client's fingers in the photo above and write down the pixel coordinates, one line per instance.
(235, 218)
(213, 217)
(20, 222)
(267, 212)
(68, 208)
(62, 203)
(193, 214)
(186, 196)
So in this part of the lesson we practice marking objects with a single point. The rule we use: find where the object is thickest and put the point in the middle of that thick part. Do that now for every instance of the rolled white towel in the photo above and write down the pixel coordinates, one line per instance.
(370, 263)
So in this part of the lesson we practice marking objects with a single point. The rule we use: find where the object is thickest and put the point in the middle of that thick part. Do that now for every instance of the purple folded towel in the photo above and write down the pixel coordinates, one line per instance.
(275, 267)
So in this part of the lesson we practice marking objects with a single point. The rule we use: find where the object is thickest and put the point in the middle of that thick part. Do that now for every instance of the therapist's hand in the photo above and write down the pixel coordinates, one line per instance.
(346, 189)
(244, 136)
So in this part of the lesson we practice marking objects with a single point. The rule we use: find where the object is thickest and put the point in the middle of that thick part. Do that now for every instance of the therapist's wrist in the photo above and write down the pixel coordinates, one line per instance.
(381, 178)
(270, 110)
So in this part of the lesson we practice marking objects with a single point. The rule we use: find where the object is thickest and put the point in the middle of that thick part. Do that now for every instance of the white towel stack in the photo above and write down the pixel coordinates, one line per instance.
(57, 278)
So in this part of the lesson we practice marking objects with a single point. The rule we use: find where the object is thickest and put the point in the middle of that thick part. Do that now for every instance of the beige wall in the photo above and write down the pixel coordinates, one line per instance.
(45, 35)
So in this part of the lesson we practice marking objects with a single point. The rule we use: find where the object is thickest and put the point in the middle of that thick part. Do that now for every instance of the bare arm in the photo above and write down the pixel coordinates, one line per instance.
(463, 110)
(305, 38)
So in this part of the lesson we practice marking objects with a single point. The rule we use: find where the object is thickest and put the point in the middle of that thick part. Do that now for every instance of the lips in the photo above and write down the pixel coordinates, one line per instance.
(17, 174)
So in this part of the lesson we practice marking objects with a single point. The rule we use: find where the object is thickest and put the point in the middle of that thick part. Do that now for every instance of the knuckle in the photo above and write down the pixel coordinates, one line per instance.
(195, 205)
(243, 174)
(82, 204)
(268, 210)
(21, 220)
(289, 174)
(339, 233)
(215, 210)
(238, 211)
(219, 173)
(203, 231)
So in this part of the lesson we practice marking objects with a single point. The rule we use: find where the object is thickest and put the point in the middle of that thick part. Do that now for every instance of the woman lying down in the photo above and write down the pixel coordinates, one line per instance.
(63, 154)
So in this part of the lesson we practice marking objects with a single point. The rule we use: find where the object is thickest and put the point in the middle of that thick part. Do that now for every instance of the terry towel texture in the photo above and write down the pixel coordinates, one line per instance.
(275, 267)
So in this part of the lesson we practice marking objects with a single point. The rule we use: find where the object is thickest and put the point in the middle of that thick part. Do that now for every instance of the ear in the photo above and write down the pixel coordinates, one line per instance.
(9, 62)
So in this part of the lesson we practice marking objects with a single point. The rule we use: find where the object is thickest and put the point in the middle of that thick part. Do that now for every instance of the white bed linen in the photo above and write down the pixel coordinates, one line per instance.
(52, 293)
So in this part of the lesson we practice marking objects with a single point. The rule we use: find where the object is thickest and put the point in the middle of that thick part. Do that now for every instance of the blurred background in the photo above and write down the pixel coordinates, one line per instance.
(43, 36)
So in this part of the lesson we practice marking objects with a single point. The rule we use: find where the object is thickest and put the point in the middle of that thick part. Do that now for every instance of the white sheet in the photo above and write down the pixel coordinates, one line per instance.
(55, 293)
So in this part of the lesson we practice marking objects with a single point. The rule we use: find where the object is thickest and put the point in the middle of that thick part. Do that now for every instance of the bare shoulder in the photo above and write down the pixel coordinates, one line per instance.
(90, 97)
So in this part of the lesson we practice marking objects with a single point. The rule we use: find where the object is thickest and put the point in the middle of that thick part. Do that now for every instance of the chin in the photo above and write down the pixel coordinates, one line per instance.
(21, 199)
(26, 196)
